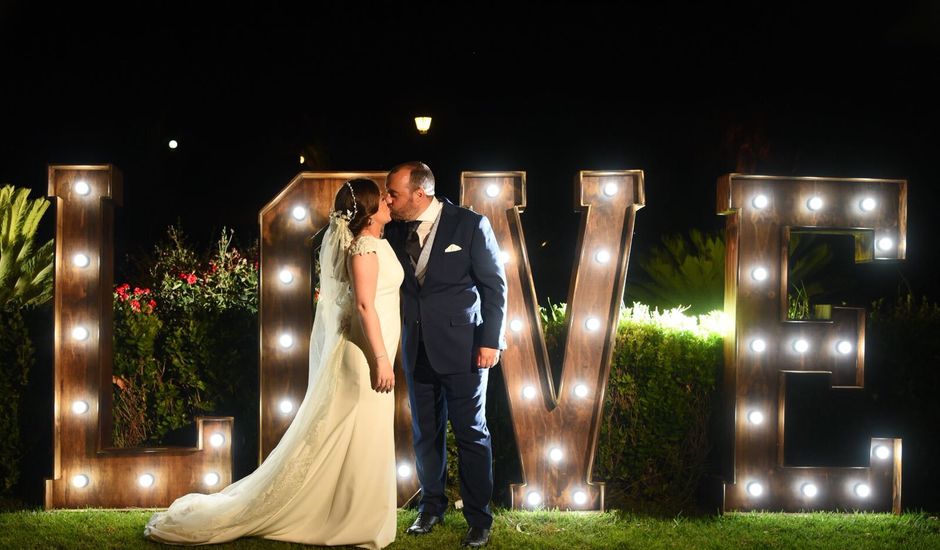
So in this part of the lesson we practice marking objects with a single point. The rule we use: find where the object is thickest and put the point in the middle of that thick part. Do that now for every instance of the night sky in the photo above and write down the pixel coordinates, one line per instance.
(685, 93)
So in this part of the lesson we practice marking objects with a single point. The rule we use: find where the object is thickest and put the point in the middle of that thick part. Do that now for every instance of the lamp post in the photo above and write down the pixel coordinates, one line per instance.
(423, 124)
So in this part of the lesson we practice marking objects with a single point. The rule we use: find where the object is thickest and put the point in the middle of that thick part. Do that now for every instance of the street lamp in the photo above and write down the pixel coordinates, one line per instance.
(423, 124)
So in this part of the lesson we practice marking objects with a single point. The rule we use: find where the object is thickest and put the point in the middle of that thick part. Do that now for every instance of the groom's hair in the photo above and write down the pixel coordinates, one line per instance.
(421, 176)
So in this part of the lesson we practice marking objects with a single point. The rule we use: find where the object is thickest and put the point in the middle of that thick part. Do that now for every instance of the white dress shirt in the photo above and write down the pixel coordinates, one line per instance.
(427, 219)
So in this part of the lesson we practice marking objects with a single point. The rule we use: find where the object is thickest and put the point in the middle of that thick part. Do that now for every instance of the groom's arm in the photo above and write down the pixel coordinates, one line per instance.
(487, 271)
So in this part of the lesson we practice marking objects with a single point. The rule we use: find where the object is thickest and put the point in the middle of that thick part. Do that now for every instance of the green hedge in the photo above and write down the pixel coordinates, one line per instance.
(188, 346)
(655, 439)
(16, 358)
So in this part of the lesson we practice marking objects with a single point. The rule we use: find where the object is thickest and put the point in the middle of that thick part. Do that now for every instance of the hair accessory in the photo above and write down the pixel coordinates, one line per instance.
(347, 215)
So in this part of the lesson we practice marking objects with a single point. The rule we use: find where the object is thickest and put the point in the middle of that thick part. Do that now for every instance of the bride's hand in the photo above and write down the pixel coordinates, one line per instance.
(383, 377)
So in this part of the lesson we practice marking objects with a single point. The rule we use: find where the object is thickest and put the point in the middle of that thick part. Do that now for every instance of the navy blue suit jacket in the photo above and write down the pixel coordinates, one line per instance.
(462, 303)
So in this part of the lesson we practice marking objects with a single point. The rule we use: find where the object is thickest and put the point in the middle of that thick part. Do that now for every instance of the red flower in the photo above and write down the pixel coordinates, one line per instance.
(137, 290)
(122, 291)
(152, 304)
(135, 305)
(147, 291)
(191, 278)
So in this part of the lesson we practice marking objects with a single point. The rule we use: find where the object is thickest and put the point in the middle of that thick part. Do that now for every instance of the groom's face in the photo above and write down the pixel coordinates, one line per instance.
(402, 201)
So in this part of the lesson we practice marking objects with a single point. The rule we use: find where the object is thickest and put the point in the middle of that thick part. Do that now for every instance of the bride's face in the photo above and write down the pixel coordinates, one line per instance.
(384, 214)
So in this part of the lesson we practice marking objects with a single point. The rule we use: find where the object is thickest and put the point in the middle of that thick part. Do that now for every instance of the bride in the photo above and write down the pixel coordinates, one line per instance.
(331, 479)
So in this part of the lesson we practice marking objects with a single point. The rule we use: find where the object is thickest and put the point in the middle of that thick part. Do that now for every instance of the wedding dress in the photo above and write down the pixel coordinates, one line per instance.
(331, 478)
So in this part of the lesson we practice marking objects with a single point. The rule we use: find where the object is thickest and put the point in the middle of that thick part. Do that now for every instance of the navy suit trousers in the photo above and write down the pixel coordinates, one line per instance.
(461, 398)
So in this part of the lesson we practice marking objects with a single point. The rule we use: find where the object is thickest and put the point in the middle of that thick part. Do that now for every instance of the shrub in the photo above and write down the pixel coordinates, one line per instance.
(655, 437)
(16, 357)
(188, 346)
(25, 283)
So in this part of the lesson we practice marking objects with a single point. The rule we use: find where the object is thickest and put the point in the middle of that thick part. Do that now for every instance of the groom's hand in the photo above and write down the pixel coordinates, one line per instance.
(487, 357)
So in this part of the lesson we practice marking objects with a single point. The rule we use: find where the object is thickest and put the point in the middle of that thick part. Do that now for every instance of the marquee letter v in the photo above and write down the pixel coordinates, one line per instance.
(556, 429)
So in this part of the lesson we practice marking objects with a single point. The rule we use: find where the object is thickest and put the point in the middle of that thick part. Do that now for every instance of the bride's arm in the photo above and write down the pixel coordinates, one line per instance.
(365, 275)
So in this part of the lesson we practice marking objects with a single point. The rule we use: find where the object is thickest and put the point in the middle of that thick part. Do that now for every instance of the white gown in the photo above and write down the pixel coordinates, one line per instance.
(331, 478)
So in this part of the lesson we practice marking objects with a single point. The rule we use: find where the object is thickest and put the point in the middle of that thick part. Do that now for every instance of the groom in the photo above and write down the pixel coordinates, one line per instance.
(453, 303)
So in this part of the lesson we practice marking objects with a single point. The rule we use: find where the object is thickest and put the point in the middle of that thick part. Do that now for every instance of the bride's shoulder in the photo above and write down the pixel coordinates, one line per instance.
(364, 244)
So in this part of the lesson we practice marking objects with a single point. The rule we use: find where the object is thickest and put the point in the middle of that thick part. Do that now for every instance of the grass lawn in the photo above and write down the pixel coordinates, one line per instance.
(615, 529)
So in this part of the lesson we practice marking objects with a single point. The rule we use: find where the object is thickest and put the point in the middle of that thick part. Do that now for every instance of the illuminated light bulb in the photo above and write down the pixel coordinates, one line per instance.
(211, 479)
(555, 454)
(760, 202)
(302, 159)
(404, 470)
(581, 390)
(602, 257)
(286, 406)
(885, 243)
(81, 260)
(882, 452)
(534, 498)
(80, 481)
(299, 213)
(755, 417)
(580, 498)
(146, 480)
(515, 325)
(809, 490)
(610, 189)
(492, 190)
(758, 345)
(286, 276)
(504, 256)
(80, 333)
(844, 347)
(216, 439)
(529, 392)
(285, 340)
(81, 187)
(592, 324)
(868, 204)
(862, 490)
(755, 489)
(423, 124)
(79, 407)
(173, 144)
(759, 274)
(801, 346)
(814, 203)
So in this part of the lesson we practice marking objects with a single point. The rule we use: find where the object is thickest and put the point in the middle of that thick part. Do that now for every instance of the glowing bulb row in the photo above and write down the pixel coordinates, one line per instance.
(592, 324)
(580, 390)
(809, 490)
(814, 203)
(534, 498)
(801, 345)
(81, 481)
(492, 190)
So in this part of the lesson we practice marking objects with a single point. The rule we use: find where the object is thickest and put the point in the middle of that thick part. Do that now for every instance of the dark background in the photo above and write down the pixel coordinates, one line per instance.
(684, 92)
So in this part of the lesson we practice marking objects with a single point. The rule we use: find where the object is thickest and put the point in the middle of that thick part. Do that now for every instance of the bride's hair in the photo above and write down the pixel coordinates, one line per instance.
(363, 200)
